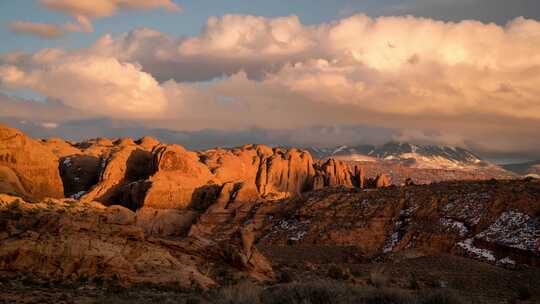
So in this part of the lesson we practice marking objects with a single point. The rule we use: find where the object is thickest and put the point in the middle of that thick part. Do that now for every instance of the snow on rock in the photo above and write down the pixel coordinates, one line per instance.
(506, 261)
(467, 207)
(294, 229)
(485, 254)
(391, 242)
(514, 229)
(455, 226)
(78, 195)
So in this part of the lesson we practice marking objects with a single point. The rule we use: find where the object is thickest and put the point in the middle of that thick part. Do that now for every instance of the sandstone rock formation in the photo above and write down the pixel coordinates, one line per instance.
(58, 240)
(165, 222)
(144, 173)
(382, 181)
(178, 174)
(28, 164)
(147, 142)
(126, 165)
(73, 241)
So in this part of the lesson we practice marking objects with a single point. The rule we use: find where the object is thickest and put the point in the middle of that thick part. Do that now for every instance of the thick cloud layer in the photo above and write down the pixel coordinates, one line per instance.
(468, 83)
(100, 85)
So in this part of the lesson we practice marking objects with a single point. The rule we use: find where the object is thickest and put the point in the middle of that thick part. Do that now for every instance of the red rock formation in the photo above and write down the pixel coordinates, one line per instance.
(126, 165)
(35, 167)
(382, 181)
(147, 142)
(285, 173)
(179, 173)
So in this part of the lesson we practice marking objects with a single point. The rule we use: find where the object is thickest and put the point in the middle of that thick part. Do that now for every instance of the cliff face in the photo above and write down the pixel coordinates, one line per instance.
(27, 167)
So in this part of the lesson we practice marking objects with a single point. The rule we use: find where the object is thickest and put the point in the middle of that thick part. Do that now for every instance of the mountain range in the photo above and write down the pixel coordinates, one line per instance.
(416, 156)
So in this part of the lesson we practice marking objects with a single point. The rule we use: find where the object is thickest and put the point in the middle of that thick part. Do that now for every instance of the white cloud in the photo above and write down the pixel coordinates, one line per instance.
(85, 10)
(100, 85)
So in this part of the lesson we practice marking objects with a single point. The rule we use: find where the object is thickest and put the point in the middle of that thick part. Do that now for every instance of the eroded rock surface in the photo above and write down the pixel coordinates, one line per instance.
(72, 241)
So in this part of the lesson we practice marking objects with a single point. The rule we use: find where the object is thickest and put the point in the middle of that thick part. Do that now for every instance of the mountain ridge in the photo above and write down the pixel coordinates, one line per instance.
(414, 155)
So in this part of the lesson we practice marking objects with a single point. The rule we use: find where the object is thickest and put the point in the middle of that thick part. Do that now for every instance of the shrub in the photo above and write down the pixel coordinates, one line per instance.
(337, 273)
(285, 277)
(378, 279)
(440, 297)
(243, 293)
(523, 293)
(15, 205)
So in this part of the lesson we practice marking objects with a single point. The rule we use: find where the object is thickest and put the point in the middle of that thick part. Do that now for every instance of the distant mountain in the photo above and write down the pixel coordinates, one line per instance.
(524, 168)
(417, 156)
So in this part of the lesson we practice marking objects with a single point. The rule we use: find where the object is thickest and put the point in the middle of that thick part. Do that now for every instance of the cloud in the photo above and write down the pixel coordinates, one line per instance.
(85, 11)
(466, 83)
(42, 30)
(100, 85)
(499, 11)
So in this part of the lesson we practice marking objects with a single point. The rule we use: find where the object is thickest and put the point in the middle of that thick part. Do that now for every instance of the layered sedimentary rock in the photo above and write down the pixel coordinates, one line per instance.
(27, 166)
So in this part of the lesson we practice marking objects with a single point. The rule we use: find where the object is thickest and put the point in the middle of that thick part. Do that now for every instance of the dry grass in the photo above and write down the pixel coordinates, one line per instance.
(327, 292)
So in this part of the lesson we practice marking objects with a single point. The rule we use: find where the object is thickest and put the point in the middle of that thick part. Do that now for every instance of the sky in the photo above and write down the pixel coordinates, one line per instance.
(304, 72)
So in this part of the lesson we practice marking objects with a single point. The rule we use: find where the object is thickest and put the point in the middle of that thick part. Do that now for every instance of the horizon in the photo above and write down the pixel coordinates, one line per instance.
(454, 73)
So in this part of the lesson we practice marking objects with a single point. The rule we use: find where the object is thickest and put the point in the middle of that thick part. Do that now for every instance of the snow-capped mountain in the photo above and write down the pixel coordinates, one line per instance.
(417, 156)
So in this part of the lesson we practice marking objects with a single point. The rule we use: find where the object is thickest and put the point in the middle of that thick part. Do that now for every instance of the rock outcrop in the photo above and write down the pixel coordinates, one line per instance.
(178, 174)
(124, 166)
(61, 241)
(496, 222)
(27, 164)
(87, 241)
